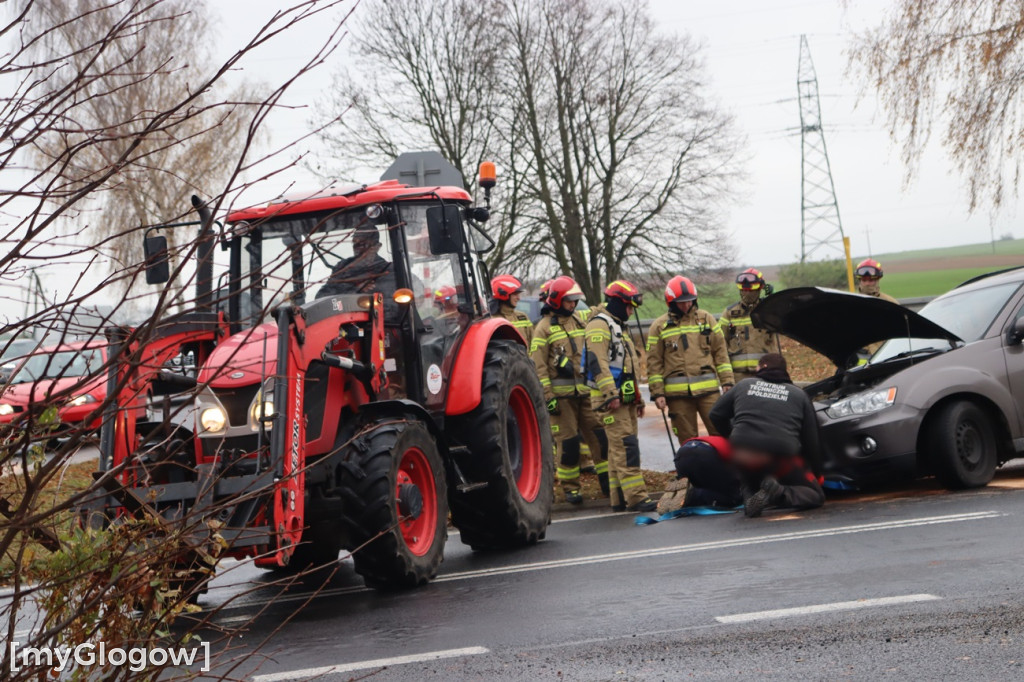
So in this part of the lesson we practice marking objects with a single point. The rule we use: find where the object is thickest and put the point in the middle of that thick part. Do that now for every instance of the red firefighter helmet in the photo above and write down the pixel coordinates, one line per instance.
(869, 267)
(503, 286)
(680, 289)
(563, 289)
(625, 291)
(750, 279)
(543, 295)
(444, 294)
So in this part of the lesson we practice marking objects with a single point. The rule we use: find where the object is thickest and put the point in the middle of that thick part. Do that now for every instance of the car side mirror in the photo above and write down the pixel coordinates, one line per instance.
(444, 225)
(1015, 335)
(158, 270)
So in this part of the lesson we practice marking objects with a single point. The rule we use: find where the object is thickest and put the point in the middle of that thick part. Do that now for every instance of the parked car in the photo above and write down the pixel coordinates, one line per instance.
(73, 371)
(531, 306)
(942, 395)
(13, 354)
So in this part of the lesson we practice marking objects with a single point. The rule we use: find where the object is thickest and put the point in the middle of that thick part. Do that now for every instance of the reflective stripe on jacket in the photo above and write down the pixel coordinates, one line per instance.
(747, 344)
(558, 343)
(519, 320)
(687, 355)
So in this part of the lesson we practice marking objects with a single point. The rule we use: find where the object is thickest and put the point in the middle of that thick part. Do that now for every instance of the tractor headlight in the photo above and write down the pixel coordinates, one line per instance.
(863, 403)
(81, 400)
(6, 409)
(255, 418)
(213, 419)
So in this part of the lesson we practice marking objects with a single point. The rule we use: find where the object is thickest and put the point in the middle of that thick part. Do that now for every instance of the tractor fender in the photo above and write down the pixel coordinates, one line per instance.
(468, 371)
(384, 409)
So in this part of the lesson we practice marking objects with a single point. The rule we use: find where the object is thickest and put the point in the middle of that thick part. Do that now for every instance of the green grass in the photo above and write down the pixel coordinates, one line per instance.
(1010, 247)
(927, 283)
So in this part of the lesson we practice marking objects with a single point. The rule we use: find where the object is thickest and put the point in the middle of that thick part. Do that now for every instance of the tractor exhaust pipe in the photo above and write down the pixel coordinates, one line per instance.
(204, 270)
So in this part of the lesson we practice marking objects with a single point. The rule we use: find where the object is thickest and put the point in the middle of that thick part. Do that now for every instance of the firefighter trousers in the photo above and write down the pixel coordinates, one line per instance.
(574, 425)
(624, 477)
(683, 414)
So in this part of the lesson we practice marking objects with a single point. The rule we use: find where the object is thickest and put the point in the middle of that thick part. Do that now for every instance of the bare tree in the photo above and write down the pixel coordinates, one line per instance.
(68, 138)
(953, 66)
(612, 158)
(186, 156)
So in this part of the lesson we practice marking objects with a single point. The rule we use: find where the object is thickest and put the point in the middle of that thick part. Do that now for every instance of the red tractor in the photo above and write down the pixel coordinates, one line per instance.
(334, 405)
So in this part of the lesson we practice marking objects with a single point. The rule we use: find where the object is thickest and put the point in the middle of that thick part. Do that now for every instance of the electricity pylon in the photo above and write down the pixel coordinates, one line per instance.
(821, 230)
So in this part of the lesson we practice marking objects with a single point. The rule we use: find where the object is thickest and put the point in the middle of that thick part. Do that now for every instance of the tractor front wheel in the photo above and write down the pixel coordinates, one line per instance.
(395, 504)
(509, 439)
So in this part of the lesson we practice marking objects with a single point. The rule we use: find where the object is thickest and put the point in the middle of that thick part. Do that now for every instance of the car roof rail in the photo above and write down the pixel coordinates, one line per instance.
(978, 278)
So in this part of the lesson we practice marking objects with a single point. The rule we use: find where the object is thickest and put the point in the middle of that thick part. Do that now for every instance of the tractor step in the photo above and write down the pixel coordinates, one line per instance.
(464, 486)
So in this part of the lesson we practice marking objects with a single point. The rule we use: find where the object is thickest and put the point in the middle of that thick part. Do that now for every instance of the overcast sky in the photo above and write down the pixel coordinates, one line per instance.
(751, 51)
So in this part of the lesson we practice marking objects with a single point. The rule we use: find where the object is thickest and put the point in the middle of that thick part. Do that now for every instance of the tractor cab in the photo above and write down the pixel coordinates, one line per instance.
(416, 247)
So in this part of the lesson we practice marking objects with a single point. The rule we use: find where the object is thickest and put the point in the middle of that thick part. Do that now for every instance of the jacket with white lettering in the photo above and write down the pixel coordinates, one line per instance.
(519, 320)
(746, 343)
(556, 350)
(687, 355)
(767, 416)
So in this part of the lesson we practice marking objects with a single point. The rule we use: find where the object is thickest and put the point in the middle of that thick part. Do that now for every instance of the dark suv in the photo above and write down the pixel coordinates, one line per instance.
(943, 394)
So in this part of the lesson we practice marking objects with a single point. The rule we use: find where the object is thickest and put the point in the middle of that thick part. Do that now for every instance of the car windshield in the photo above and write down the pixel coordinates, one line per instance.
(59, 365)
(968, 315)
(16, 349)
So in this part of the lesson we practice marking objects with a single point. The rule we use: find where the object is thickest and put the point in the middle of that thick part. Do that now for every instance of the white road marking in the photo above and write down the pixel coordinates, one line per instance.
(825, 608)
(570, 519)
(653, 552)
(307, 673)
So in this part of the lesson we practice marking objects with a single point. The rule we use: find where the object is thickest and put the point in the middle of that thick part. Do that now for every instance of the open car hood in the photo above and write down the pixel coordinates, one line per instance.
(837, 324)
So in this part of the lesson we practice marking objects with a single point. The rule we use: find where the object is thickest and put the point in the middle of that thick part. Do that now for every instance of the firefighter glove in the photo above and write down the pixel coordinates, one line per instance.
(553, 406)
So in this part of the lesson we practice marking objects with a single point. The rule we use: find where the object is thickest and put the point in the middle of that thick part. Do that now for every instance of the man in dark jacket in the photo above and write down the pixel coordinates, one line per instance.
(773, 432)
(364, 272)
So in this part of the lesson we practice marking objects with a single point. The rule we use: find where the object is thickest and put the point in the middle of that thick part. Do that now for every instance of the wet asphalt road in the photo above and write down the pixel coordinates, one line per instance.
(604, 599)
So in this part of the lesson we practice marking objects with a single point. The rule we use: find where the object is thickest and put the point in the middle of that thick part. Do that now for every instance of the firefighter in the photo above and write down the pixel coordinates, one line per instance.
(746, 343)
(557, 350)
(446, 301)
(687, 360)
(610, 361)
(505, 291)
(869, 274)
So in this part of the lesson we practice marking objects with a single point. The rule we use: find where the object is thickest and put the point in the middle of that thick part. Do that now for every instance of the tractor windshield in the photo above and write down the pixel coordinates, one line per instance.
(308, 256)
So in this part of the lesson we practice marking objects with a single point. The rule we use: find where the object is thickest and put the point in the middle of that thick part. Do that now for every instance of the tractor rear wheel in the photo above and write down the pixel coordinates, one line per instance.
(395, 504)
(509, 438)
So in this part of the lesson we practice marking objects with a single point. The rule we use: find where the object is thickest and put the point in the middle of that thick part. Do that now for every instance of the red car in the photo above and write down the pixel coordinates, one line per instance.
(70, 374)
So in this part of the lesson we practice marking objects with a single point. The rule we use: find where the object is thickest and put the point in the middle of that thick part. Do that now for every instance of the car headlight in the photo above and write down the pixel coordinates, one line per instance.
(213, 419)
(268, 411)
(863, 403)
(6, 409)
(81, 400)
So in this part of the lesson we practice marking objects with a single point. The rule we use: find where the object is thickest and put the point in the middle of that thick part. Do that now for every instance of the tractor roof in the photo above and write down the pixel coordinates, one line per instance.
(344, 197)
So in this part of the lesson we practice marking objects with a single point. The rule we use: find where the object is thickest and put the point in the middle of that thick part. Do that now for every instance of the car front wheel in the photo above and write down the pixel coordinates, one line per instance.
(962, 445)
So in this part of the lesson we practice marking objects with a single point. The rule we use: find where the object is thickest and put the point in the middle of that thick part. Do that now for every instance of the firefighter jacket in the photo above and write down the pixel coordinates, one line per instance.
(609, 360)
(746, 343)
(519, 320)
(557, 350)
(885, 297)
(687, 355)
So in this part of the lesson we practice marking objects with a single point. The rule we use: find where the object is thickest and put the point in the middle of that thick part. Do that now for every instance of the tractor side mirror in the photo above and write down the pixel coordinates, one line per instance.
(444, 225)
(1015, 335)
(158, 270)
